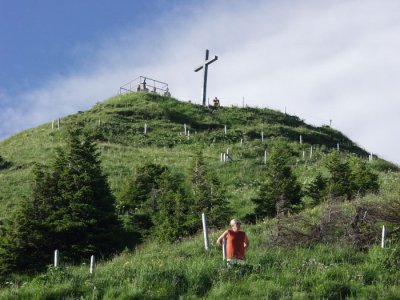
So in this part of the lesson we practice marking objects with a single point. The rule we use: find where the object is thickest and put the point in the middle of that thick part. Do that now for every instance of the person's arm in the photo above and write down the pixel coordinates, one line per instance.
(246, 242)
(220, 239)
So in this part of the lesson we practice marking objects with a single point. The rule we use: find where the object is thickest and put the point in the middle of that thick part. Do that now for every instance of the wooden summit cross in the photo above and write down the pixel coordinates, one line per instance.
(204, 66)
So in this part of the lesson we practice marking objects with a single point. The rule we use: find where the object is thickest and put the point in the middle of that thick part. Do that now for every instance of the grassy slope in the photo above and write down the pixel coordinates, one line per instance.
(186, 269)
(119, 124)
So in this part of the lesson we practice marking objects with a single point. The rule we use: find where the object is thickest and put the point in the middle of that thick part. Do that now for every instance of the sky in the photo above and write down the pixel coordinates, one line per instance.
(328, 62)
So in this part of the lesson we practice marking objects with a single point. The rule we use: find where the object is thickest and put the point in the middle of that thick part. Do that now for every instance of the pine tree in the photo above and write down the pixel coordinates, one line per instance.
(208, 194)
(139, 199)
(280, 190)
(316, 189)
(71, 209)
(340, 183)
(171, 218)
(364, 179)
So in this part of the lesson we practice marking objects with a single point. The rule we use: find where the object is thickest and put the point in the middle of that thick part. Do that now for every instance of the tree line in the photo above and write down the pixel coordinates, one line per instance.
(71, 207)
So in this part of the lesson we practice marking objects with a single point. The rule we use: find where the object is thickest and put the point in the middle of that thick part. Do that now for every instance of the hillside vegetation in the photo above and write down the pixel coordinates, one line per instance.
(323, 245)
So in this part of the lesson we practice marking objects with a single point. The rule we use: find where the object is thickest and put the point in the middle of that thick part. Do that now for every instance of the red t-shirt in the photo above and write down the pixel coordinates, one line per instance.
(235, 244)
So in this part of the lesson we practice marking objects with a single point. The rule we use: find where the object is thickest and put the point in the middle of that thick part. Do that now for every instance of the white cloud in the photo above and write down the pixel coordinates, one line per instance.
(321, 60)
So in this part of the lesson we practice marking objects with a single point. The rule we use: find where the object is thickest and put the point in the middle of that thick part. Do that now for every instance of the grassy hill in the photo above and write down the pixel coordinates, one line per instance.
(119, 127)
(185, 269)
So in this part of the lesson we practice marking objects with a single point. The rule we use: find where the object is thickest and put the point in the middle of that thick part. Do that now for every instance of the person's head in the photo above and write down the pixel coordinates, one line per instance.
(235, 224)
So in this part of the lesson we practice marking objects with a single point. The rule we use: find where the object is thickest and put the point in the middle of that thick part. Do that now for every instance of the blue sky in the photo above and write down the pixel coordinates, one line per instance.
(320, 60)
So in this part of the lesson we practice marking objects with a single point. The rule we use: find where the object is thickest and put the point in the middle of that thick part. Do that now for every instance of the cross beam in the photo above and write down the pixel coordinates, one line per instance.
(204, 66)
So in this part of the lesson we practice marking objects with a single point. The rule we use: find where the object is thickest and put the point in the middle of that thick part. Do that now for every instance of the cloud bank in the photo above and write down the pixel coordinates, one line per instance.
(322, 61)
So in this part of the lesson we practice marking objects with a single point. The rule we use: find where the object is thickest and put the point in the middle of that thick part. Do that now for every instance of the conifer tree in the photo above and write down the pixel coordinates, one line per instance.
(71, 209)
(171, 218)
(340, 183)
(208, 194)
(316, 189)
(364, 179)
(280, 189)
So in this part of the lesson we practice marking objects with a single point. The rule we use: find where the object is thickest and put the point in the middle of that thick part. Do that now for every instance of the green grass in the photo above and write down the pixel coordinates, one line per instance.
(185, 270)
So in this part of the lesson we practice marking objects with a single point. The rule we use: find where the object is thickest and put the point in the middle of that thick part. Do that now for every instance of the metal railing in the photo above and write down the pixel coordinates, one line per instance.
(145, 84)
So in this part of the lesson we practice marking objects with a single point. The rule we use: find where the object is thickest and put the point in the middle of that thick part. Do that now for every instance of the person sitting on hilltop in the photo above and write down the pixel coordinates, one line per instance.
(167, 93)
(216, 102)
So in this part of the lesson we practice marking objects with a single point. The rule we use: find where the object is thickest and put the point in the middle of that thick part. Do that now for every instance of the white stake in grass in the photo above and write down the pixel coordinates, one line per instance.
(383, 236)
(145, 128)
(205, 230)
(262, 136)
(184, 128)
(265, 157)
(224, 249)
(225, 130)
(338, 147)
(301, 139)
(56, 258)
(311, 152)
(92, 264)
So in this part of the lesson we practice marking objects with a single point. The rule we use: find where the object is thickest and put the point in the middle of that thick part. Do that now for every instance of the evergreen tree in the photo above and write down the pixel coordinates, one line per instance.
(171, 218)
(364, 179)
(280, 190)
(71, 209)
(208, 195)
(138, 200)
(316, 189)
(340, 183)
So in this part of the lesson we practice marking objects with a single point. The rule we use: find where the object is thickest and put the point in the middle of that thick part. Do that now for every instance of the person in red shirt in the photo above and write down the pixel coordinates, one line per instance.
(236, 243)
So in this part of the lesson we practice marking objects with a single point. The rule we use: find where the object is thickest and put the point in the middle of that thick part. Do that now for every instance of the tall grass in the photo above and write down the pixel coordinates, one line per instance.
(186, 271)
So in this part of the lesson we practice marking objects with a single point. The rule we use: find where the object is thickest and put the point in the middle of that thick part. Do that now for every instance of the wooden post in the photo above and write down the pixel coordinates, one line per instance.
(241, 142)
(58, 124)
(56, 258)
(311, 152)
(205, 230)
(338, 147)
(262, 136)
(304, 154)
(301, 139)
(224, 249)
(145, 128)
(52, 124)
(265, 157)
(188, 134)
(225, 130)
(92, 264)
(184, 128)
(383, 236)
